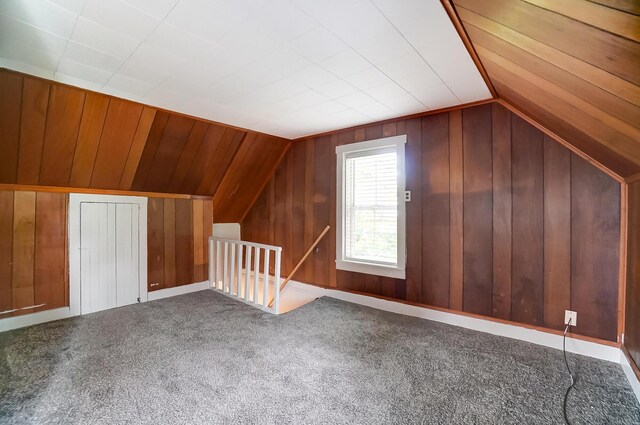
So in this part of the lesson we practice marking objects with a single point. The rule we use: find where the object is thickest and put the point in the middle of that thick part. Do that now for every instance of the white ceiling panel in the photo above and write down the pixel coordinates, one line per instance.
(285, 67)
(121, 17)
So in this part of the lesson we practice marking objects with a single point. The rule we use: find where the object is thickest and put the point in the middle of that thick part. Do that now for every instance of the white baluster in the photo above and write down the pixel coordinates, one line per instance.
(210, 257)
(265, 290)
(225, 275)
(239, 273)
(232, 265)
(256, 275)
(217, 264)
(276, 283)
(247, 272)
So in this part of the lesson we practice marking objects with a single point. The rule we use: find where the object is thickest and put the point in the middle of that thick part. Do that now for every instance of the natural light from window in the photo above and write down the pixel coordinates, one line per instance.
(371, 206)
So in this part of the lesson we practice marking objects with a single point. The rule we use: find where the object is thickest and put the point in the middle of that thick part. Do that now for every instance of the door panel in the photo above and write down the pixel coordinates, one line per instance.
(97, 257)
(109, 255)
(127, 264)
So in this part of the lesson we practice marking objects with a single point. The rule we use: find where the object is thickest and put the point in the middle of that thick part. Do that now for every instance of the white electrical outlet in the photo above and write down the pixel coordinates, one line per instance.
(407, 196)
(568, 314)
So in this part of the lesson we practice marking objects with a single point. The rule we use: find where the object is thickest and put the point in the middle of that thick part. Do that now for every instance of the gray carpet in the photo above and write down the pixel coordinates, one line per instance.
(204, 358)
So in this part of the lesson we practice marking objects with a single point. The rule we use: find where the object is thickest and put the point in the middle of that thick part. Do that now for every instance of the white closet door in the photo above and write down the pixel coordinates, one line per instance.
(97, 257)
(127, 264)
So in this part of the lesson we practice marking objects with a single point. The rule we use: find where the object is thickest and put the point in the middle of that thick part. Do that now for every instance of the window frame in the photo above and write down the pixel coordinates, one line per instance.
(373, 268)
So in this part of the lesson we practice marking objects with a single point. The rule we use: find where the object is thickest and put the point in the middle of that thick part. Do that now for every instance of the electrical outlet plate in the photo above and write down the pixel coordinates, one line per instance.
(568, 314)
(407, 196)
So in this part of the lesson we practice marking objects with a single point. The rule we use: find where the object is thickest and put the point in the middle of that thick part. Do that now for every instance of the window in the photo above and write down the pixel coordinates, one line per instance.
(370, 207)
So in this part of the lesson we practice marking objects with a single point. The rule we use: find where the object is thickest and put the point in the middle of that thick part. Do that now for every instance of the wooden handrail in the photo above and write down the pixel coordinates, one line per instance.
(295, 269)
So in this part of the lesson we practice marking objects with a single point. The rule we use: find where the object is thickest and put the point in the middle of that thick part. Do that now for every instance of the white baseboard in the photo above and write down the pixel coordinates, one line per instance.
(574, 345)
(178, 290)
(25, 320)
(10, 323)
(631, 376)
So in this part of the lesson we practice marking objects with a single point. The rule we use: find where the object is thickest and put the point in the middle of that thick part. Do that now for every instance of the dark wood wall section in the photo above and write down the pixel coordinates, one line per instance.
(34, 256)
(247, 173)
(574, 67)
(504, 221)
(33, 252)
(632, 309)
(178, 231)
(56, 135)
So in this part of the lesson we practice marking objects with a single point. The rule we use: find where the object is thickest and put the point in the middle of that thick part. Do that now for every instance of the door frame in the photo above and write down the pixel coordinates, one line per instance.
(75, 202)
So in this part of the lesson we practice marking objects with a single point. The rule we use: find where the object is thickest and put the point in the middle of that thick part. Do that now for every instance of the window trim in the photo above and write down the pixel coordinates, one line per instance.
(398, 271)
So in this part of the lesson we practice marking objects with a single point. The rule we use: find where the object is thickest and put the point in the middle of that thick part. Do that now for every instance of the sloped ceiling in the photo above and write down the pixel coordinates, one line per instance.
(290, 68)
(56, 135)
(574, 66)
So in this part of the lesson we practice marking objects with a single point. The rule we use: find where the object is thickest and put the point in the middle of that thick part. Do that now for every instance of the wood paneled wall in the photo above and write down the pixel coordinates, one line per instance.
(632, 310)
(33, 251)
(178, 231)
(574, 66)
(504, 221)
(52, 134)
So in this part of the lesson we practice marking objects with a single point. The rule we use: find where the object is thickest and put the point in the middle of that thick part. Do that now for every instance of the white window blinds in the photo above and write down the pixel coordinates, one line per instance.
(371, 206)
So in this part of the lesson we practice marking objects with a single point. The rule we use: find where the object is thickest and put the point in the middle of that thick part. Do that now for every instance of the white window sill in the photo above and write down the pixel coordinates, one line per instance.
(353, 266)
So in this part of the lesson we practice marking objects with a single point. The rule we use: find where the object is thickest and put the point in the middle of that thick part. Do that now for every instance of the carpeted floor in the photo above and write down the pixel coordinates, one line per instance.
(204, 358)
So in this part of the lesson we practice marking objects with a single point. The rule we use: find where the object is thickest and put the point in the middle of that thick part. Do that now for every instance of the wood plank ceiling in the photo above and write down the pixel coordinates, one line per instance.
(573, 66)
(56, 135)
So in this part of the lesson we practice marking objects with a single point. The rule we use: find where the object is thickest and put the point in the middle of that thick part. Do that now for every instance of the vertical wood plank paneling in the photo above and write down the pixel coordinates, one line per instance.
(322, 180)
(306, 271)
(115, 143)
(220, 160)
(632, 299)
(184, 243)
(389, 129)
(191, 147)
(456, 210)
(271, 202)
(6, 250)
(478, 210)
(24, 222)
(91, 125)
(278, 210)
(155, 241)
(198, 253)
(206, 152)
(168, 153)
(413, 158)
(506, 187)
(50, 274)
(60, 136)
(288, 254)
(528, 246)
(207, 222)
(169, 230)
(501, 126)
(595, 227)
(35, 98)
(137, 147)
(435, 210)
(150, 148)
(10, 107)
(557, 233)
